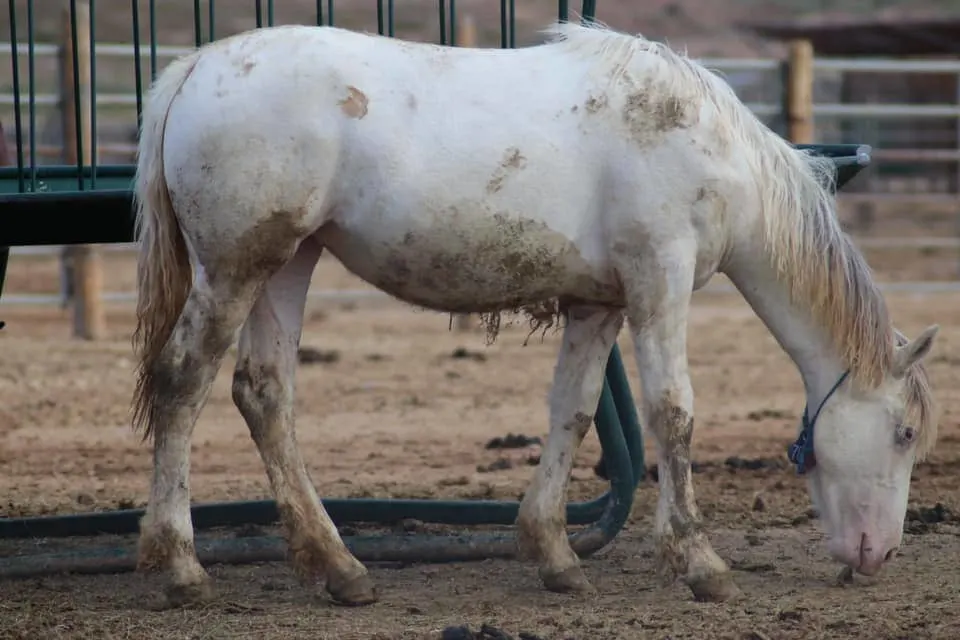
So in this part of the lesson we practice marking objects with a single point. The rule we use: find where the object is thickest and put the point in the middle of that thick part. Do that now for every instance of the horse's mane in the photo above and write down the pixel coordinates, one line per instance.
(817, 261)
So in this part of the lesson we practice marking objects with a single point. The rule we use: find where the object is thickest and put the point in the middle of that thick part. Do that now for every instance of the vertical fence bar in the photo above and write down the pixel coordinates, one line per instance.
(77, 109)
(153, 39)
(269, 13)
(563, 10)
(453, 22)
(32, 95)
(210, 28)
(16, 95)
(197, 29)
(513, 24)
(258, 6)
(380, 16)
(443, 21)
(137, 70)
(93, 94)
(589, 12)
(503, 24)
(390, 20)
(330, 12)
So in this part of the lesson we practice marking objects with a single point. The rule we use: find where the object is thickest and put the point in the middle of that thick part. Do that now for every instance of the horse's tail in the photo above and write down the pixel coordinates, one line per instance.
(164, 274)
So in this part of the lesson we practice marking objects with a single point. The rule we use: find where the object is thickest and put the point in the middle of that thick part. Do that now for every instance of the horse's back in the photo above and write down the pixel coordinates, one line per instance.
(460, 179)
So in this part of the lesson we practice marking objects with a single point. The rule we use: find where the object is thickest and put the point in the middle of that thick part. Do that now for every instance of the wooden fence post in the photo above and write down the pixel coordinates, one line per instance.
(87, 275)
(799, 92)
(466, 37)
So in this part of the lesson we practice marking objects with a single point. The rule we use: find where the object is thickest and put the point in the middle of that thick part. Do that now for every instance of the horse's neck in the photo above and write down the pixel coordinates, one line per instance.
(807, 344)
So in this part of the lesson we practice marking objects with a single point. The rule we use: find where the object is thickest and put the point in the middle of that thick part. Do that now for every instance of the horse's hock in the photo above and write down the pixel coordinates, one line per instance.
(81, 201)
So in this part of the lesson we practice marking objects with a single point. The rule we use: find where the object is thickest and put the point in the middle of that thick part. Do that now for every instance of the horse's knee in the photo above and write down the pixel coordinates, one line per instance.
(672, 422)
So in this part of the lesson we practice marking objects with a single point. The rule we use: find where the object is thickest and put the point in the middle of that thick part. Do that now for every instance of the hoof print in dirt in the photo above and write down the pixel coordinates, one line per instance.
(309, 355)
(462, 353)
(497, 465)
(736, 463)
(922, 519)
(790, 616)
(486, 632)
(513, 441)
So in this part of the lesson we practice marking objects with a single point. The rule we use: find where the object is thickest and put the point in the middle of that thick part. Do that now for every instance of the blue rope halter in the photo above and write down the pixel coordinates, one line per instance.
(801, 452)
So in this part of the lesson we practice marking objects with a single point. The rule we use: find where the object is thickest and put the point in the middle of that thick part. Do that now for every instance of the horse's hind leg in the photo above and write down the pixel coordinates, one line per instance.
(263, 390)
(658, 319)
(178, 383)
(588, 337)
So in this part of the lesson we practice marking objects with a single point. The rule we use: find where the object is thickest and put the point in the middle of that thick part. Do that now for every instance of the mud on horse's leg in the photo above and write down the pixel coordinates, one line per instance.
(659, 326)
(263, 390)
(177, 383)
(578, 380)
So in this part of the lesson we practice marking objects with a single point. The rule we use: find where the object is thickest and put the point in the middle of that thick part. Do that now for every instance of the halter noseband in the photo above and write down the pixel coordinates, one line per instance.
(801, 451)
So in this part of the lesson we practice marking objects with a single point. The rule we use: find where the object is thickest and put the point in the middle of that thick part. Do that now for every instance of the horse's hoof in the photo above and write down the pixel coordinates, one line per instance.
(719, 587)
(186, 595)
(570, 580)
(355, 592)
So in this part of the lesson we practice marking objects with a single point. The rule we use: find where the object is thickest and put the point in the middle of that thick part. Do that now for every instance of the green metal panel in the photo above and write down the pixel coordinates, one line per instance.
(29, 177)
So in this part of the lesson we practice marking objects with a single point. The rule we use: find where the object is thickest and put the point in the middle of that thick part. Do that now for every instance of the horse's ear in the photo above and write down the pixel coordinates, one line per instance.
(909, 354)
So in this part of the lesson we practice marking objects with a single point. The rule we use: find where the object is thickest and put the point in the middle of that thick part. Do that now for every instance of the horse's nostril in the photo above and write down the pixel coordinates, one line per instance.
(889, 555)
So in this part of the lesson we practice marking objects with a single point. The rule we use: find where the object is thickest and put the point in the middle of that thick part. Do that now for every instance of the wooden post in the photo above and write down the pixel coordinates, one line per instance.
(466, 31)
(88, 314)
(799, 92)
(466, 37)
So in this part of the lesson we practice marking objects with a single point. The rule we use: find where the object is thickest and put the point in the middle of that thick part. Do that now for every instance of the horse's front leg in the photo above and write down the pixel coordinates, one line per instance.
(658, 320)
(578, 380)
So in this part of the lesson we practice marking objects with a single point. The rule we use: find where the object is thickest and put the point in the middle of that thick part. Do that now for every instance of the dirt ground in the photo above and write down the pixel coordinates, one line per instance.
(390, 412)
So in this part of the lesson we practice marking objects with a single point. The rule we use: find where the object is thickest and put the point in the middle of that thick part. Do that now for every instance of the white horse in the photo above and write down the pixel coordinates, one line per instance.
(600, 170)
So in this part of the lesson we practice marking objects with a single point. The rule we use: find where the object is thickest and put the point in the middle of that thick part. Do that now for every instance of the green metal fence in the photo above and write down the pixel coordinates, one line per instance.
(29, 175)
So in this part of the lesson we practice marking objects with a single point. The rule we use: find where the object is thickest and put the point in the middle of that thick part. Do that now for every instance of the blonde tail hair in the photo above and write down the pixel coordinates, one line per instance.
(164, 274)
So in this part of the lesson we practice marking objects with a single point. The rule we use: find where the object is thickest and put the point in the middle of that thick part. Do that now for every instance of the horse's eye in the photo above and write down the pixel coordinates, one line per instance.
(905, 434)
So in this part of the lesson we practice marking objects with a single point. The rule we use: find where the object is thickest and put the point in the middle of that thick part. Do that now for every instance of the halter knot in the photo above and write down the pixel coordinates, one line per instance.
(801, 451)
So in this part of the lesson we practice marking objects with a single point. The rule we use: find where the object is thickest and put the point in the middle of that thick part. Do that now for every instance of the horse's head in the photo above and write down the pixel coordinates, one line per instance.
(862, 454)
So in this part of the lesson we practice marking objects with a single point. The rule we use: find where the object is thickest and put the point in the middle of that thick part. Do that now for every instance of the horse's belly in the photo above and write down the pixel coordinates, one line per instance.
(487, 265)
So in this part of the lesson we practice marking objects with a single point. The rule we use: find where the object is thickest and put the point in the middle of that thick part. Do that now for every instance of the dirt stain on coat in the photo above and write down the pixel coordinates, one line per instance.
(355, 104)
